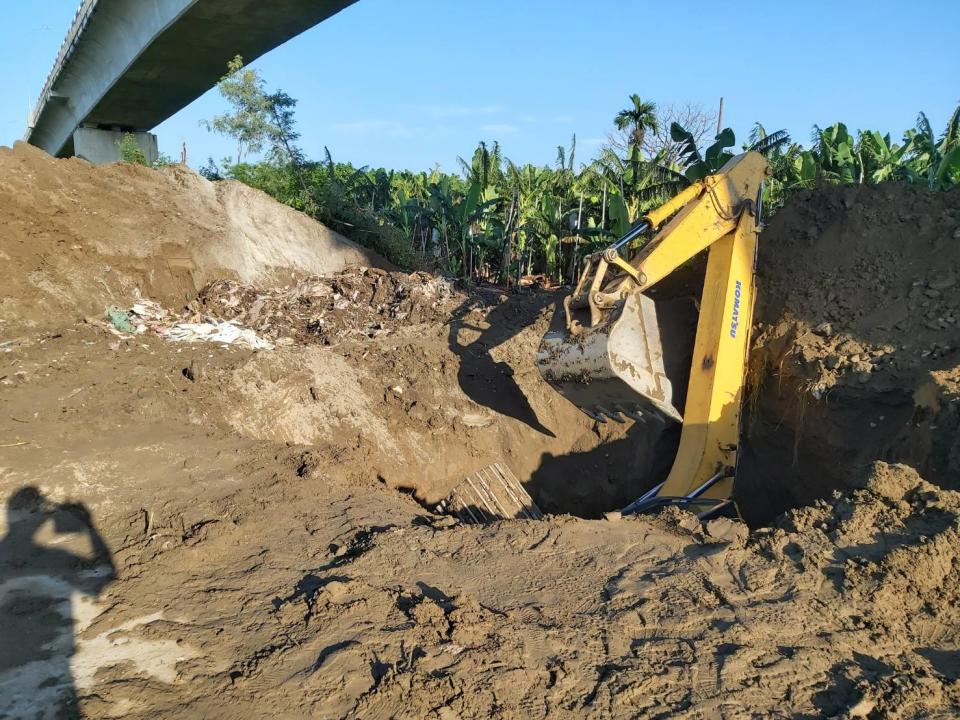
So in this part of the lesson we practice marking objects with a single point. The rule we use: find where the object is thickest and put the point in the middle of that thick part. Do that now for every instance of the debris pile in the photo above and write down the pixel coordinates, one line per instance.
(367, 302)
(149, 316)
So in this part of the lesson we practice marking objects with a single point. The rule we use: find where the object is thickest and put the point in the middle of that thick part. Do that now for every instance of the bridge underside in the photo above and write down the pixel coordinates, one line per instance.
(137, 63)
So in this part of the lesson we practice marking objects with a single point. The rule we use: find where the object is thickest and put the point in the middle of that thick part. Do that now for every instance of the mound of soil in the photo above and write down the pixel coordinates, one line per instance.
(857, 357)
(78, 237)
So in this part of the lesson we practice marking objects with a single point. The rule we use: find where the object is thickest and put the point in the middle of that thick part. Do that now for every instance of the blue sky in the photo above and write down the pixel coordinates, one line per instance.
(415, 83)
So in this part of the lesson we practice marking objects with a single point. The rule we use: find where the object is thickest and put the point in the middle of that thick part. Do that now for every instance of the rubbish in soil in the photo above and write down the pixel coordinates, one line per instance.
(228, 333)
(357, 303)
(120, 320)
(149, 316)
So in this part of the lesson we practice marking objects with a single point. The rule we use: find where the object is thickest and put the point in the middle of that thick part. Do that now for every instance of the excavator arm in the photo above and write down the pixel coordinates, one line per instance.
(608, 357)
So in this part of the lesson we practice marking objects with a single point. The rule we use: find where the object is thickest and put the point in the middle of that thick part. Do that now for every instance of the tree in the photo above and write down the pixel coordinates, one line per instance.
(486, 165)
(695, 118)
(260, 119)
(638, 118)
(250, 121)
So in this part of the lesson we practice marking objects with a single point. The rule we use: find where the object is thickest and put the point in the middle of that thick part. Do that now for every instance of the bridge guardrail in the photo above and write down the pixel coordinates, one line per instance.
(80, 21)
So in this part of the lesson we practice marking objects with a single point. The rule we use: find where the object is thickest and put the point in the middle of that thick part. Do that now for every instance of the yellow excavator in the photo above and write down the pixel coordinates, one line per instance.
(608, 358)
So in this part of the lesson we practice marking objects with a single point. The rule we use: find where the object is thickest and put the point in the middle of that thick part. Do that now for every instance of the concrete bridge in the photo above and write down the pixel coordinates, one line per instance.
(128, 65)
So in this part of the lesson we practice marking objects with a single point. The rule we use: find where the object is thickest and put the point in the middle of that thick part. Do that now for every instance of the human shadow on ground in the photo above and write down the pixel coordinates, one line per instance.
(484, 380)
(39, 585)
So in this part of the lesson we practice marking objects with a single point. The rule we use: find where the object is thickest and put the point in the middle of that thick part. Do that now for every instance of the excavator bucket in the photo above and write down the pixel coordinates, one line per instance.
(613, 370)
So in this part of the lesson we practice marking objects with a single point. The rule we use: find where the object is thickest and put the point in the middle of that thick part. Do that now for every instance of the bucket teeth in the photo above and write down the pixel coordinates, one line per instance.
(593, 416)
(620, 414)
(635, 414)
(615, 416)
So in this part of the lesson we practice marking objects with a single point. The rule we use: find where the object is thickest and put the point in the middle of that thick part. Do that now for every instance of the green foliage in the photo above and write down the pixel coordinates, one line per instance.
(638, 118)
(697, 165)
(249, 122)
(929, 160)
(130, 151)
(497, 220)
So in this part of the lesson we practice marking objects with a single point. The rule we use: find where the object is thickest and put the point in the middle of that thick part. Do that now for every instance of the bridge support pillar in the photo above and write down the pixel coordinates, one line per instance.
(103, 146)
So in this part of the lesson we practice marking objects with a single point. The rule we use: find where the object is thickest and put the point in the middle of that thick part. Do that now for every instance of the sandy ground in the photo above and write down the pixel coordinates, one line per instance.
(195, 530)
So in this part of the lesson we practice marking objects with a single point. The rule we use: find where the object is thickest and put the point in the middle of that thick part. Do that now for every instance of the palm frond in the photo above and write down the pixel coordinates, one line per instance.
(816, 136)
(770, 142)
(757, 133)
(623, 119)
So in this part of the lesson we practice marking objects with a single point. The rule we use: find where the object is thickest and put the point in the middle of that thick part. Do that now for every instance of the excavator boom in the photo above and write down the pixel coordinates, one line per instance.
(608, 357)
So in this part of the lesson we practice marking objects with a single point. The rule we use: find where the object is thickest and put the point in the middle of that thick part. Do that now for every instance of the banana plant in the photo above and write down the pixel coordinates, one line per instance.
(883, 159)
(839, 154)
(696, 165)
(935, 162)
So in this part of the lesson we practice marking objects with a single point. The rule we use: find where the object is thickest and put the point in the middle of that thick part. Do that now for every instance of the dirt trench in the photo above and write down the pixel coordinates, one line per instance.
(855, 357)
(419, 406)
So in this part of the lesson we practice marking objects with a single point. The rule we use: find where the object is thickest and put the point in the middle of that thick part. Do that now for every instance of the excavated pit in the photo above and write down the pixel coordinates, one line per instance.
(855, 357)
(854, 360)
(416, 384)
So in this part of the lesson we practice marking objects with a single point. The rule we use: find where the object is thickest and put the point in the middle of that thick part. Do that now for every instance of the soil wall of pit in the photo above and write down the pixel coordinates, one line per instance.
(856, 348)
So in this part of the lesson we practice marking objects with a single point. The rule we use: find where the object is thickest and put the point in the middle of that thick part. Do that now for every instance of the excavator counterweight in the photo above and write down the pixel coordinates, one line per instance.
(608, 356)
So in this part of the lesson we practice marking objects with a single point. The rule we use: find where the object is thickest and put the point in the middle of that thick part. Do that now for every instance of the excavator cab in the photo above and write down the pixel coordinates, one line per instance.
(607, 356)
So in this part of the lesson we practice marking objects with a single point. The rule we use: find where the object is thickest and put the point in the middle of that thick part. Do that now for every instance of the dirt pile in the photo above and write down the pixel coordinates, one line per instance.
(858, 354)
(366, 302)
(77, 237)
